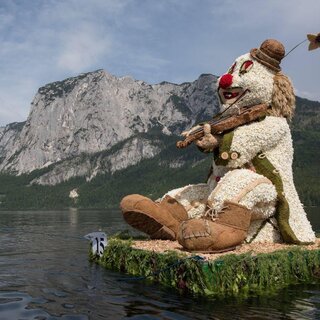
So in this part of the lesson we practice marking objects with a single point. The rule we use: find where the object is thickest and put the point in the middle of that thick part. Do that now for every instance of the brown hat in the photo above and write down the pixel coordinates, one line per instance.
(269, 54)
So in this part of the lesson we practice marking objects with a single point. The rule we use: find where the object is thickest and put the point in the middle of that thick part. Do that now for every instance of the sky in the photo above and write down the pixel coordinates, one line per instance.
(152, 40)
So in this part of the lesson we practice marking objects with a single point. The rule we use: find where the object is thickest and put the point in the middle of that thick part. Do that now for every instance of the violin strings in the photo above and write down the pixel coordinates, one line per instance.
(211, 122)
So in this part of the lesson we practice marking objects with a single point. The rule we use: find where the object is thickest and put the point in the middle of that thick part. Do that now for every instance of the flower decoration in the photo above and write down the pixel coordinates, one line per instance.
(314, 41)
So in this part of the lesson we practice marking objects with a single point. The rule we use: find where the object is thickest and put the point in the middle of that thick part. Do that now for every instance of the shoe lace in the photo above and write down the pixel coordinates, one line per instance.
(212, 212)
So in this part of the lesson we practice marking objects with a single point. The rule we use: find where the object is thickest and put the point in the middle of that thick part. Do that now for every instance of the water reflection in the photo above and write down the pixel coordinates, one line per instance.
(73, 213)
(45, 274)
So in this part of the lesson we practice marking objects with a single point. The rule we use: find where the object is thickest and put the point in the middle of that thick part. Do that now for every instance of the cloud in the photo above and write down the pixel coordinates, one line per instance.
(82, 48)
(307, 94)
(49, 41)
(172, 40)
(273, 15)
(15, 102)
(5, 20)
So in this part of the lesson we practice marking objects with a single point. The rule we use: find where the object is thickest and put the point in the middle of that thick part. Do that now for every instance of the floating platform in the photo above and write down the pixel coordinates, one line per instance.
(251, 269)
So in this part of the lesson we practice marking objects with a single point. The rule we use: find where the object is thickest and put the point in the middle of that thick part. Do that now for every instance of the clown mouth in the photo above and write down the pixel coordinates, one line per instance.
(230, 95)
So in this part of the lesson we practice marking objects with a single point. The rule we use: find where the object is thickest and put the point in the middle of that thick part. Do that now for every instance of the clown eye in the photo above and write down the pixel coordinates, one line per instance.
(245, 67)
(232, 68)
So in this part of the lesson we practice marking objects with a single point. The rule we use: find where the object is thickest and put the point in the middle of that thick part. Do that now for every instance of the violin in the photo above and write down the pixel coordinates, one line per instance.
(221, 124)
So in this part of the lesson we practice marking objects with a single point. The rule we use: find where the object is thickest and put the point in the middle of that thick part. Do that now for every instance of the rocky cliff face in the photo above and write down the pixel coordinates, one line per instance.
(93, 123)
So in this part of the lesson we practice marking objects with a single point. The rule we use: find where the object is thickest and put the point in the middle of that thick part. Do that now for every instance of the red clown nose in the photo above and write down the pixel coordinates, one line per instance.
(225, 81)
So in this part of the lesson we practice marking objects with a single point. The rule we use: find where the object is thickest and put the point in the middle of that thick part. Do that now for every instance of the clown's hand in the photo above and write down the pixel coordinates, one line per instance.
(190, 131)
(208, 142)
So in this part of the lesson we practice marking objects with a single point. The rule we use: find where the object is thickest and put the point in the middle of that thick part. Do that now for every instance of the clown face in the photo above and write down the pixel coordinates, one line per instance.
(247, 83)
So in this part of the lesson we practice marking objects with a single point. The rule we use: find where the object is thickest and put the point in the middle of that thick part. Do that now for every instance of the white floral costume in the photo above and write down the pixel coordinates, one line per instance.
(253, 164)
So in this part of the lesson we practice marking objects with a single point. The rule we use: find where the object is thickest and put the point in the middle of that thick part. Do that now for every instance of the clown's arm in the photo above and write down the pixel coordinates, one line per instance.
(240, 146)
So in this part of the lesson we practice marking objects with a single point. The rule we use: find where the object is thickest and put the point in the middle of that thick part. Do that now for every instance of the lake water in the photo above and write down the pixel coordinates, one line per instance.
(45, 274)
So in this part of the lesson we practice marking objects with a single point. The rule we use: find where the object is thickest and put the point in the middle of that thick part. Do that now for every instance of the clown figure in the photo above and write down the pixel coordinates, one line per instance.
(250, 194)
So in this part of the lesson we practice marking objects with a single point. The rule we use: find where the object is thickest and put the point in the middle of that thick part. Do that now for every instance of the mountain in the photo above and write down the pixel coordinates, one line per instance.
(93, 123)
(91, 139)
(306, 140)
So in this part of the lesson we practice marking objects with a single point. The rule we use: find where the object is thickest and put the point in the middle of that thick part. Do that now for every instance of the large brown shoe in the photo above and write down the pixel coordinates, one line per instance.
(222, 234)
(158, 220)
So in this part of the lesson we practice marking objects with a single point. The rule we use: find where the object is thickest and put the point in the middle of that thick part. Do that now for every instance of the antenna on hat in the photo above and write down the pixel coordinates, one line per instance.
(296, 46)
(314, 40)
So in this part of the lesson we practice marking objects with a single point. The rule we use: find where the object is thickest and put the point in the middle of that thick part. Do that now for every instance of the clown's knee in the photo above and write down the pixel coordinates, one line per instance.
(247, 188)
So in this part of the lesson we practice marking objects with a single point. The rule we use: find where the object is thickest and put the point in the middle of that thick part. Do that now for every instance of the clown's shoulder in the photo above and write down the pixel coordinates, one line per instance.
(240, 146)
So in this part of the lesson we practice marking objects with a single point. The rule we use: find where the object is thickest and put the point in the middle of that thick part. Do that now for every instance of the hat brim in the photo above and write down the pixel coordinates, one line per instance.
(253, 53)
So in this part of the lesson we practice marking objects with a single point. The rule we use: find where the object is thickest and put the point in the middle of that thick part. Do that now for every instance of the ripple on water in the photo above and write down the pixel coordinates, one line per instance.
(37, 260)
(18, 305)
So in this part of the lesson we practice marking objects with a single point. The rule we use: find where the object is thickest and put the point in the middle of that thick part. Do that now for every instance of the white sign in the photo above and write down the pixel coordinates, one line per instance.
(98, 242)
